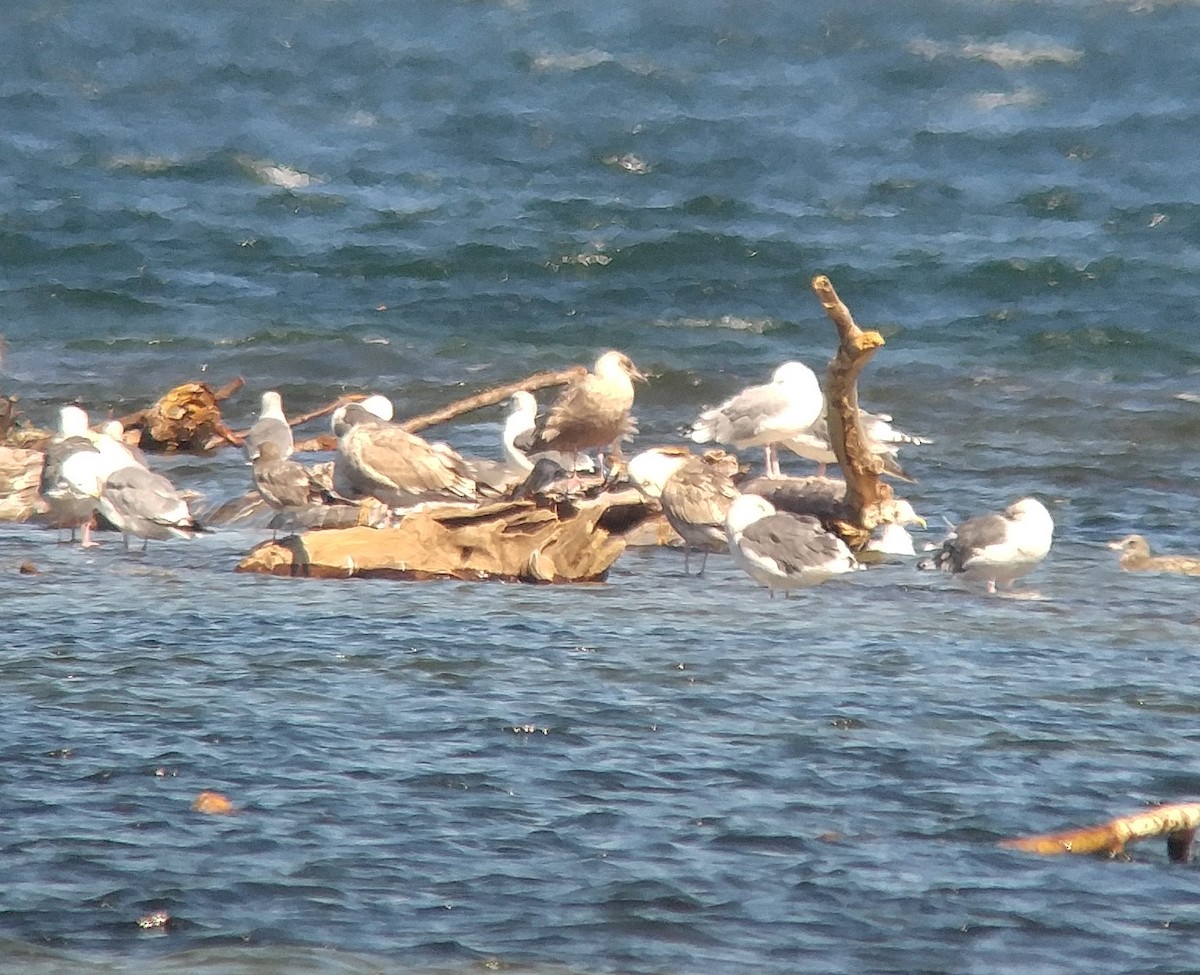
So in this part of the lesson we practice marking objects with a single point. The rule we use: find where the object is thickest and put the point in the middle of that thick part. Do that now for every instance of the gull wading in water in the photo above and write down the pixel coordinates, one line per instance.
(999, 547)
(72, 475)
(781, 550)
(695, 494)
(766, 415)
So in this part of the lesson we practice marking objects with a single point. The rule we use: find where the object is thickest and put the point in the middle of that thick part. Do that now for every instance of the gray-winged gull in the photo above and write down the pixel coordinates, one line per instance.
(141, 502)
(293, 490)
(766, 415)
(271, 425)
(1136, 557)
(593, 412)
(882, 439)
(781, 550)
(379, 459)
(695, 494)
(999, 547)
(72, 475)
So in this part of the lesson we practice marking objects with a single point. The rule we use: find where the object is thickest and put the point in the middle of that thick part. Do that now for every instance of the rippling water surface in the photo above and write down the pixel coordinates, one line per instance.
(659, 774)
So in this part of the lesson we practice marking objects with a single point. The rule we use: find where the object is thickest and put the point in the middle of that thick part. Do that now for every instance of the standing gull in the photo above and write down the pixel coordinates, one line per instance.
(379, 459)
(72, 473)
(882, 439)
(1000, 547)
(1136, 557)
(593, 412)
(141, 502)
(288, 487)
(763, 416)
(695, 494)
(272, 426)
(781, 550)
(517, 436)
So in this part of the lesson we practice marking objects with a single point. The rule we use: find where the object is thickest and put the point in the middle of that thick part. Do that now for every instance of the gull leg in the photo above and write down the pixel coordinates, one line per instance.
(991, 586)
(687, 558)
(86, 535)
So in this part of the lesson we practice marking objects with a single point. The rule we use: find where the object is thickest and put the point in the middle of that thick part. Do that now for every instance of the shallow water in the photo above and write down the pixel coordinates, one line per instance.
(657, 774)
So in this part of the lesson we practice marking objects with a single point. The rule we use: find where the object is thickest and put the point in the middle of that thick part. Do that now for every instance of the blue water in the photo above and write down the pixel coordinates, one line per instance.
(657, 774)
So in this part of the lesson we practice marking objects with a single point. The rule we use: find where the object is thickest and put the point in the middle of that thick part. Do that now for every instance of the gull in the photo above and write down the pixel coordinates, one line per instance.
(517, 437)
(882, 439)
(593, 412)
(695, 494)
(999, 547)
(1136, 557)
(780, 550)
(271, 426)
(763, 416)
(72, 474)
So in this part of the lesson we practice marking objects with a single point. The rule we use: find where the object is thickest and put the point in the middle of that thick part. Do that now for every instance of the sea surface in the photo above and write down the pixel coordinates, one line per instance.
(657, 775)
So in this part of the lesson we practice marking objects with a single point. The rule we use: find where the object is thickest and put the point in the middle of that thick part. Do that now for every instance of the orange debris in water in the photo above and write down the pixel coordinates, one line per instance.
(1177, 822)
(212, 804)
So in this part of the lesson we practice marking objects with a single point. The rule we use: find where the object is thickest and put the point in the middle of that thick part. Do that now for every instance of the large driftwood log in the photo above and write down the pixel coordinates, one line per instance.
(867, 494)
(1177, 822)
(510, 541)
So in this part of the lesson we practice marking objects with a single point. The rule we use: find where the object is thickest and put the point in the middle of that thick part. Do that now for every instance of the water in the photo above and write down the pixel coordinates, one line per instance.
(657, 774)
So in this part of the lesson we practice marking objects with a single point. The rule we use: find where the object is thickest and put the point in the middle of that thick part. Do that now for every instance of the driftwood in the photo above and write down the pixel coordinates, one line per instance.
(1177, 822)
(184, 418)
(509, 541)
(867, 494)
(490, 397)
(20, 473)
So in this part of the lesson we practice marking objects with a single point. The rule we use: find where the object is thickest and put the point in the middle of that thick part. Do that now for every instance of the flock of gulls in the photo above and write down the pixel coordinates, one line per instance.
(777, 529)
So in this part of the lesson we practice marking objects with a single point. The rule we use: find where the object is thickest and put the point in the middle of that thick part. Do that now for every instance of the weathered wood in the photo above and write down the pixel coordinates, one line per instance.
(509, 541)
(186, 417)
(490, 397)
(1176, 821)
(867, 494)
(20, 473)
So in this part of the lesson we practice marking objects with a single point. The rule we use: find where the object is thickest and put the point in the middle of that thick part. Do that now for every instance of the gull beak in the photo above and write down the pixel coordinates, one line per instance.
(922, 522)
(637, 375)
(1116, 546)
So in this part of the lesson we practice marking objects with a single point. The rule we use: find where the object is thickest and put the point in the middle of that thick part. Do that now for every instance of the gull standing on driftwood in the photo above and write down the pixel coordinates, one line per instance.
(593, 412)
(695, 494)
(517, 436)
(272, 426)
(1000, 547)
(72, 475)
(381, 460)
(763, 416)
(781, 550)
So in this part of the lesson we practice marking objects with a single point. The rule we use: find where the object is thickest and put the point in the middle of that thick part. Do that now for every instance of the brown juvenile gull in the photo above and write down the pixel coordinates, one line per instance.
(882, 439)
(781, 550)
(72, 475)
(517, 435)
(695, 494)
(763, 416)
(290, 488)
(271, 425)
(1000, 547)
(379, 459)
(592, 413)
(1136, 557)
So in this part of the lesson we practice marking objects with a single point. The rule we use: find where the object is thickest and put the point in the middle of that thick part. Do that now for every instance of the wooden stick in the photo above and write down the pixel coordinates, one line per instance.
(1177, 822)
(866, 491)
(490, 397)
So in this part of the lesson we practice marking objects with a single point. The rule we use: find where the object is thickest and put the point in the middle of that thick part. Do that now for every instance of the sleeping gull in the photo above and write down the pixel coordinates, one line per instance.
(379, 459)
(72, 473)
(695, 494)
(271, 425)
(141, 502)
(763, 416)
(1000, 547)
(1136, 557)
(781, 550)
(882, 439)
(593, 412)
